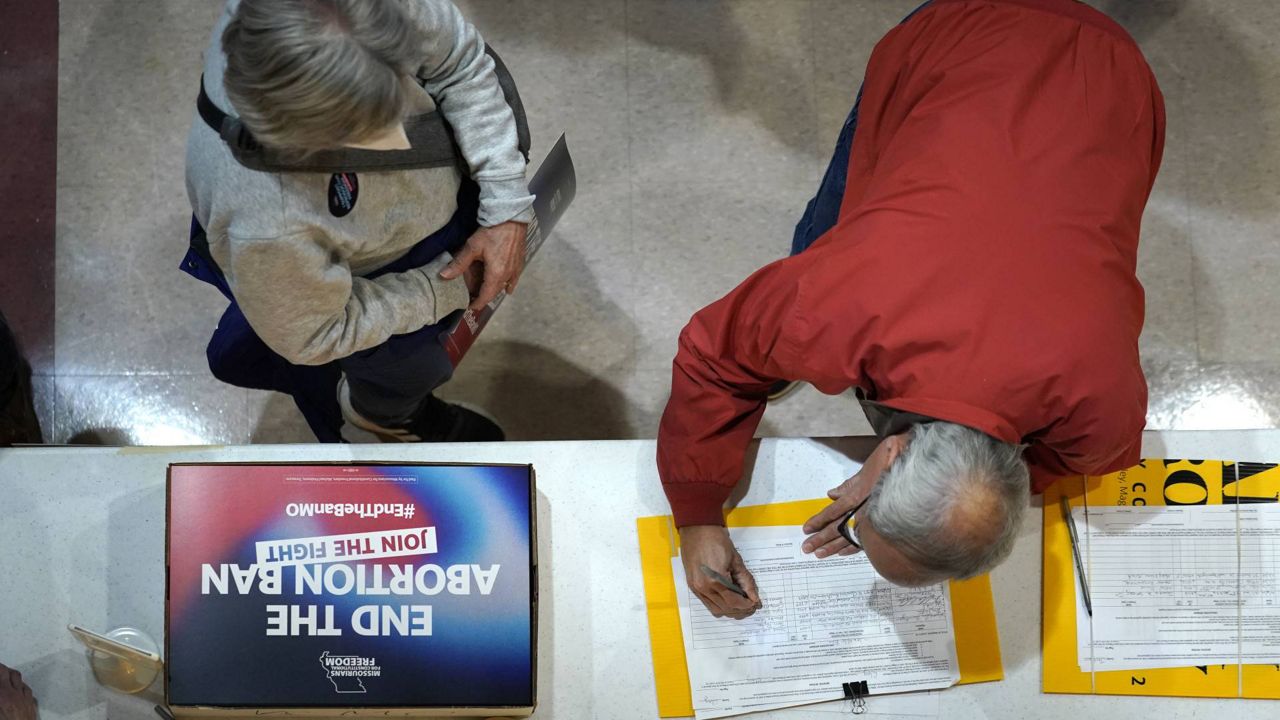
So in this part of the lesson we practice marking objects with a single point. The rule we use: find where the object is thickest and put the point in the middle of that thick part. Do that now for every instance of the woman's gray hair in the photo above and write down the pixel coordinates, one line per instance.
(310, 75)
(952, 501)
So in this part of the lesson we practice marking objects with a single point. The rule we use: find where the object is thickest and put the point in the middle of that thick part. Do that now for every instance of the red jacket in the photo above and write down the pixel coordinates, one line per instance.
(982, 270)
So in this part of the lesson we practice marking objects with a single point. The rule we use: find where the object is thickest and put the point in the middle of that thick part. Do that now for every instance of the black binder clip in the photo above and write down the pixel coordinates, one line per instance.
(857, 692)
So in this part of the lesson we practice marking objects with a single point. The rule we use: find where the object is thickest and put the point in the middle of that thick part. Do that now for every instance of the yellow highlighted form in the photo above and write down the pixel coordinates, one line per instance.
(1152, 482)
(977, 642)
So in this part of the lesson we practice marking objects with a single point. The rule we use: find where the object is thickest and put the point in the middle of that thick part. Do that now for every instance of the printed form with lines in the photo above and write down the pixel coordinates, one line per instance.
(1175, 586)
(823, 623)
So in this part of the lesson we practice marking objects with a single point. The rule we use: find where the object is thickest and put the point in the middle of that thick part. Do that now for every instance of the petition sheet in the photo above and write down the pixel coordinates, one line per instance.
(1259, 584)
(824, 623)
(1174, 586)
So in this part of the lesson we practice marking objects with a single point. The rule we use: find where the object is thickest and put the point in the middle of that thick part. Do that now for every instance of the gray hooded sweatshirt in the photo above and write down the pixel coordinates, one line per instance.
(296, 268)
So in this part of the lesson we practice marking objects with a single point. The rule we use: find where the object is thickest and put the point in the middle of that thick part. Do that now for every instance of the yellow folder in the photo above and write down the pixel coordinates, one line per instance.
(1153, 482)
(977, 643)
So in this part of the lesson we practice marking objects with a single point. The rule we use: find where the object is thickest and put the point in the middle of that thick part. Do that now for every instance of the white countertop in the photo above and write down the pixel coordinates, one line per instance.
(82, 536)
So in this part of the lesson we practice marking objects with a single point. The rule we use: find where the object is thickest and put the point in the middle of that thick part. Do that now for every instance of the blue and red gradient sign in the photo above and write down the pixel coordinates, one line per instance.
(350, 586)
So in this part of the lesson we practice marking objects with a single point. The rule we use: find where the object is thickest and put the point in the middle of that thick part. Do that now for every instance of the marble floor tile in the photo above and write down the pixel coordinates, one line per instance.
(809, 413)
(44, 388)
(1167, 273)
(273, 419)
(842, 36)
(721, 90)
(1165, 261)
(1232, 97)
(1212, 396)
(128, 77)
(537, 394)
(1236, 261)
(648, 392)
(569, 60)
(122, 304)
(148, 410)
(698, 242)
(28, 159)
(576, 298)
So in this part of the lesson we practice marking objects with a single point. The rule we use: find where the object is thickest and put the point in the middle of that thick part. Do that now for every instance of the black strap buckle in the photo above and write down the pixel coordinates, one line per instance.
(235, 134)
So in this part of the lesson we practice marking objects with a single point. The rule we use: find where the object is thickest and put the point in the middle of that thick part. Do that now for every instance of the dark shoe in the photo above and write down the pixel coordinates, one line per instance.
(439, 421)
(18, 422)
(435, 422)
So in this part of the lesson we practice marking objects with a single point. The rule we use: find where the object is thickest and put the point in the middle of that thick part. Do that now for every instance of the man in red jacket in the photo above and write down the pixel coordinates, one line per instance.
(968, 265)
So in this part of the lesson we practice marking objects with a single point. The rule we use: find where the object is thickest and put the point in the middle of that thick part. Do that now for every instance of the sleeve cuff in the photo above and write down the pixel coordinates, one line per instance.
(504, 201)
(451, 295)
(699, 503)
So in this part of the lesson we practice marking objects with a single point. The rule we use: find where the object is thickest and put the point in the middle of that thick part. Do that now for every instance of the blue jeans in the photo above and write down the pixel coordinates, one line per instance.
(388, 382)
(823, 210)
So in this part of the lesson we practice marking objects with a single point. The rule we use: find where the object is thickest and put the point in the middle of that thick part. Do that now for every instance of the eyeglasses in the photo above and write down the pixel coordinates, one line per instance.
(848, 526)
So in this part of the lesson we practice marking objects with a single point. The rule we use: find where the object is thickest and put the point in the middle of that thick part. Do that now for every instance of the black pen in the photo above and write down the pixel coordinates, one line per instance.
(1075, 550)
(722, 580)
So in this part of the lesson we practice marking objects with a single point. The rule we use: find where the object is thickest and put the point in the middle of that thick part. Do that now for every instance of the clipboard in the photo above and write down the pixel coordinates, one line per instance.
(1151, 482)
(973, 613)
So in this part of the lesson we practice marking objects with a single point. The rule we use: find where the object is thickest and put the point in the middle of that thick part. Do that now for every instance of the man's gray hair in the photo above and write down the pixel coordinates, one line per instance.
(952, 501)
(309, 75)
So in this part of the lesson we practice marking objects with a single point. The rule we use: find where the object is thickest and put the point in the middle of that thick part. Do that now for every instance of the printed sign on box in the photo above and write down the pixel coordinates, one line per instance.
(375, 587)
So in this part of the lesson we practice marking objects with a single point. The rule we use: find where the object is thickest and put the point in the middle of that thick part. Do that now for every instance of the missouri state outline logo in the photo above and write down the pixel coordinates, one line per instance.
(348, 672)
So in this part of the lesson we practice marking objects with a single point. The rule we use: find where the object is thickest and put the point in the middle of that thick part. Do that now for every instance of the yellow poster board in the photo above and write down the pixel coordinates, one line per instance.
(1152, 482)
(977, 642)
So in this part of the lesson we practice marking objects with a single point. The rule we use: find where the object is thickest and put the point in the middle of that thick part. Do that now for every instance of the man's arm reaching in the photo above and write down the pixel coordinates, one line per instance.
(729, 355)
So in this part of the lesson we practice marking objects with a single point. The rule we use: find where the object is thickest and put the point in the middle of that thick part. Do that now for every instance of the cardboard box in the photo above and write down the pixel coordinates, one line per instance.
(366, 589)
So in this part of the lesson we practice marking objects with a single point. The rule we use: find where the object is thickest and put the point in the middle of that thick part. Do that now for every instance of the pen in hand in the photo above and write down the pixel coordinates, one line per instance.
(722, 580)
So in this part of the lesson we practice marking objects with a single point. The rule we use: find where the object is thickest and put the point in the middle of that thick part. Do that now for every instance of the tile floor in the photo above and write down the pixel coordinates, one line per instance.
(28, 146)
(699, 129)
